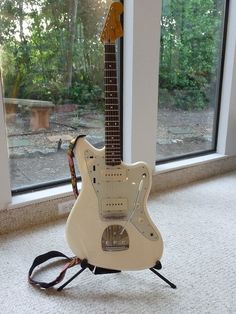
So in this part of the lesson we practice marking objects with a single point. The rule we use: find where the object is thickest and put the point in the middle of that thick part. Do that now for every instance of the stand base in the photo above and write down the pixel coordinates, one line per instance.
(101, 271)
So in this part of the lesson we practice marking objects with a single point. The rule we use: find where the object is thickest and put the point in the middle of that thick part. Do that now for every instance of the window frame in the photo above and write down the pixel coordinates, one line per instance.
(216, 119)
(63, 181)
(5, 191)
(135, 117)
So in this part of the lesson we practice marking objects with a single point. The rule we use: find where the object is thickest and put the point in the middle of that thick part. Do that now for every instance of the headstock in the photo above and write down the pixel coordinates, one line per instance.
(112, 28)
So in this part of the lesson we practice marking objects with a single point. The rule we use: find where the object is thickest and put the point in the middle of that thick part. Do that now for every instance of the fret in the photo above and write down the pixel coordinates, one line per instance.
(112, 122)
(112, 154)
(113, 141)
(112, 107)
(109, 79)
(111, 94)
(112, 119)
(112, 80)
(111, 159)
(110, 65)
(112, 125)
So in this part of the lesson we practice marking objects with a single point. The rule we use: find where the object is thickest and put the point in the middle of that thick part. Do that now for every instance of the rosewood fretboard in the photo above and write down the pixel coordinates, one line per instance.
(112, 112)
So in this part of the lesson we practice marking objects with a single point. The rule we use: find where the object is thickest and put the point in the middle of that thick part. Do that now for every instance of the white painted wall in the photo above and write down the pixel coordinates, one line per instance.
(227, 123)
(141, 59)
(5, 190)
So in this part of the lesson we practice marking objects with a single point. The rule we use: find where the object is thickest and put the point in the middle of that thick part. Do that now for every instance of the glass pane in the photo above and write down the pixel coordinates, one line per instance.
(190, 73)
(52, 65)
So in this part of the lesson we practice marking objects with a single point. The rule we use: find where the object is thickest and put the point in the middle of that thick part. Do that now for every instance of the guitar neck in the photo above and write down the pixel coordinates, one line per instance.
(112, 112)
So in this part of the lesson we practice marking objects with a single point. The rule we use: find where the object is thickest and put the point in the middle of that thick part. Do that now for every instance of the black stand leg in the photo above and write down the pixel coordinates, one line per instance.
(84, 265)
(158, 266)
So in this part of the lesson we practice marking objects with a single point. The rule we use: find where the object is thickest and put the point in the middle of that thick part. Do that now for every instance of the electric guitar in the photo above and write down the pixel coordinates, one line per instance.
(109, 224)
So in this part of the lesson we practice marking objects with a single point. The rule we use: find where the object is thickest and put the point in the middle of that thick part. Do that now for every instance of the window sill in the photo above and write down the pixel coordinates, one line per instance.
(185, 171)
(42, 196)
(43, 206)
(66, 190)
(190, 162)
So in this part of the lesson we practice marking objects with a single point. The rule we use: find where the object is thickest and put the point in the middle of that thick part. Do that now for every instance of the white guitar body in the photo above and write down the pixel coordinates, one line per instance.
(109, 224)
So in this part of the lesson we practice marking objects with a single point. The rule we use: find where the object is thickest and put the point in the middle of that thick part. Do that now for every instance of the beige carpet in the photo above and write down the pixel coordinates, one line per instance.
(198, 224)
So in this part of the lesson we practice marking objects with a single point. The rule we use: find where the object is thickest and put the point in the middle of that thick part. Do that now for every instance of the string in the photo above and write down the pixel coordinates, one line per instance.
(112, 116)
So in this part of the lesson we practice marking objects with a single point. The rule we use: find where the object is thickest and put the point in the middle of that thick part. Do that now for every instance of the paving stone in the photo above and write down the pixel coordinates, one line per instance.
(180, 130)
(56, 138)
(18, 142)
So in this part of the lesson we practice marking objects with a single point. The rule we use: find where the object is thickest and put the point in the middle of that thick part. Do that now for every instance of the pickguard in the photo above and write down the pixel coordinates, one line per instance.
(121, 192)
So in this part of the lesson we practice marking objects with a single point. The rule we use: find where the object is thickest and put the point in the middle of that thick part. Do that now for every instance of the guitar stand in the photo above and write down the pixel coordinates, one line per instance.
(99, 271)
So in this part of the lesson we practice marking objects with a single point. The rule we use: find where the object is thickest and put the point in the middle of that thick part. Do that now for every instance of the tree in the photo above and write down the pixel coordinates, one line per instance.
(190, 49)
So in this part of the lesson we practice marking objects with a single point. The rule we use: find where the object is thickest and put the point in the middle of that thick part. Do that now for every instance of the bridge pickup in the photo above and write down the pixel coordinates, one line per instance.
(113, 174)
(114, 208)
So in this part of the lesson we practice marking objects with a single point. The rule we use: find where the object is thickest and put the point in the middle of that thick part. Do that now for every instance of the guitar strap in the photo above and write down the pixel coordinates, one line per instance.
(70, 157)
(70, 261)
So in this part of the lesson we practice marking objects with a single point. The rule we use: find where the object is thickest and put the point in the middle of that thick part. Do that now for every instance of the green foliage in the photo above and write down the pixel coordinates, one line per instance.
(190, 50)
(50, 50)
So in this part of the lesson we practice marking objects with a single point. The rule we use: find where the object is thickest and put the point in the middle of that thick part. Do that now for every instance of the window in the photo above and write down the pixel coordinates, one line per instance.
(52, 67)
(191, 60)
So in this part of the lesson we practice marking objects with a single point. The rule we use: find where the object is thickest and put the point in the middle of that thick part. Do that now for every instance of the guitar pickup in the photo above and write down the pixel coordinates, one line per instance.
(113, 175)
(114, 208)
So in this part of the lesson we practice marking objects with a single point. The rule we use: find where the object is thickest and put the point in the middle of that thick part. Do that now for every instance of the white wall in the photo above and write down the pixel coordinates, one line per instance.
(141, 59)
(5, 192)
(227, 125)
